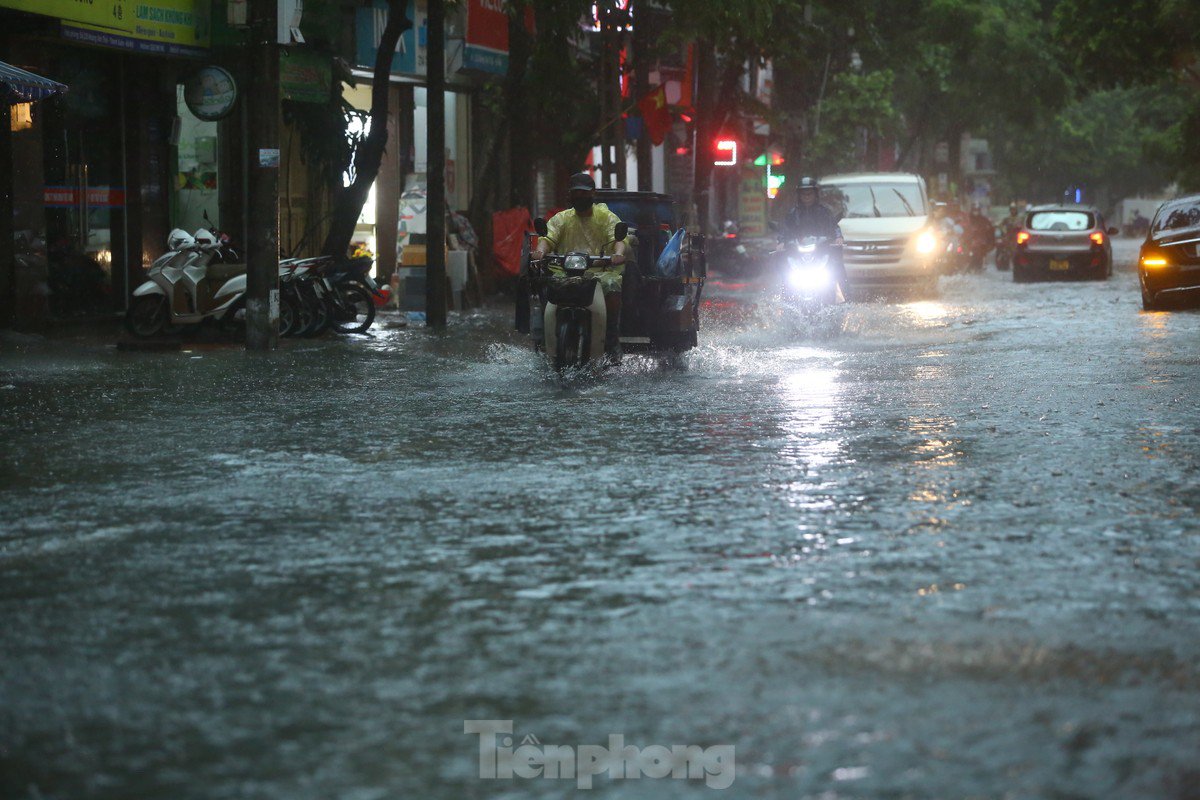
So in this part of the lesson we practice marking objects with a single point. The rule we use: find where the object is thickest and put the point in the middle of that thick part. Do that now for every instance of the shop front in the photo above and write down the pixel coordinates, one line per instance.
(396, 218)
(92, 167)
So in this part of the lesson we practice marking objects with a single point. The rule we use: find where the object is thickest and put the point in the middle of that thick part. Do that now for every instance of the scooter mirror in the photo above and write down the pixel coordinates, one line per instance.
(539, 225)
(620, 232)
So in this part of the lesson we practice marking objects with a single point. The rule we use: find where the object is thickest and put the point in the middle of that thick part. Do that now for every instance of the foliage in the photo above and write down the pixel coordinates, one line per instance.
(1117, 142)
(856, 106)
(1137, 41)
(325, 145)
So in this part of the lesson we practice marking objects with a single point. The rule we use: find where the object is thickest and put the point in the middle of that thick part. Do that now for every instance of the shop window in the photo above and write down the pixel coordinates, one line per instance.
(196, 171)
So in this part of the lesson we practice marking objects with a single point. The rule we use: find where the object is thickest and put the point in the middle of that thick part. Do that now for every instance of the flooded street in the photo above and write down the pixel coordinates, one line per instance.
(940, 548)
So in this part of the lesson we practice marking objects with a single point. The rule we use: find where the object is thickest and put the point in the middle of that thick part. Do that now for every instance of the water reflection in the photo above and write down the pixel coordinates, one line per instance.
(927, 313)
(936, 455)
(810, 400)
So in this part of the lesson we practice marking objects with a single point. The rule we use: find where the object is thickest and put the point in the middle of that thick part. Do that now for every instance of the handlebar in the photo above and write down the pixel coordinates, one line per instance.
(557, 260)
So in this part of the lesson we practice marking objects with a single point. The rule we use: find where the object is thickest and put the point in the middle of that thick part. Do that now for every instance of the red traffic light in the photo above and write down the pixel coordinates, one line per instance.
(727, 153)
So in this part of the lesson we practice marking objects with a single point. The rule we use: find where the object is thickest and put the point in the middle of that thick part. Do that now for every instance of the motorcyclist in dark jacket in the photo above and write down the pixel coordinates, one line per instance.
(810, 218)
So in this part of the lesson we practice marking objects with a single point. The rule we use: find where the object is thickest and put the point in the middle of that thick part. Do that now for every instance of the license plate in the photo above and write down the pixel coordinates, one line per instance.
(1059, 264)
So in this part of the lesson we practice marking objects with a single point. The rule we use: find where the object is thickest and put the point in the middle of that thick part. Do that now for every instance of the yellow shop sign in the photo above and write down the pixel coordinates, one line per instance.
(167, 27)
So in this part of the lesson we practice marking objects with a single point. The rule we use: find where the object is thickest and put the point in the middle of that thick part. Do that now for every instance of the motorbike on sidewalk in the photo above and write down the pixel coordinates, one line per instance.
(575, 318)
(328, 293)
(199, 278)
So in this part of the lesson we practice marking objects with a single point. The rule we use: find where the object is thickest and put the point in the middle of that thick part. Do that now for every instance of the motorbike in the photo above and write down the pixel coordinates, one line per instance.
(328, 293)
(1005, 243)
(197, 279)
(574, 319)
(809, 275)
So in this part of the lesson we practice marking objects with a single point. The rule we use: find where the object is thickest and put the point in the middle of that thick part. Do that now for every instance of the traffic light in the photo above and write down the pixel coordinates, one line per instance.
(769, 159)
(726, 153)
(774, 182)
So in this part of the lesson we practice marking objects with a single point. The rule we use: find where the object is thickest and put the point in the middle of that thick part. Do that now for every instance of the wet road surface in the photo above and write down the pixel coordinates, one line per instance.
(939, 548)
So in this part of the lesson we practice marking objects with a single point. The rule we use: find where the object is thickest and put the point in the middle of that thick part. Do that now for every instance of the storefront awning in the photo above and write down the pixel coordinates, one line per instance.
(25, 87)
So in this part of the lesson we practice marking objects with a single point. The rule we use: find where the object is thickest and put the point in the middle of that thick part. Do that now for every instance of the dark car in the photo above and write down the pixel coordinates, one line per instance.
(1063, 242)
(1169, 261)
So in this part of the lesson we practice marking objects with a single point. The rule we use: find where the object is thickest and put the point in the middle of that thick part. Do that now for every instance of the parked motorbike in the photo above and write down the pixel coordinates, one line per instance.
(328, 293)
(197, 279)
(575, 317)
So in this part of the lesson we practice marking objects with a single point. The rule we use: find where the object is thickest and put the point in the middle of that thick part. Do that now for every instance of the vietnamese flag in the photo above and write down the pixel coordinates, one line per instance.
(656, 117)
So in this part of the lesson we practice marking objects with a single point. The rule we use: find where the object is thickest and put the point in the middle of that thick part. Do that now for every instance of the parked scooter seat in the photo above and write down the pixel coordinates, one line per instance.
(223, 272)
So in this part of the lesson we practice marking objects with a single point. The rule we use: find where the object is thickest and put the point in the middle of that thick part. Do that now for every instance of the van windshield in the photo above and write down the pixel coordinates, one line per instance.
(883, 199)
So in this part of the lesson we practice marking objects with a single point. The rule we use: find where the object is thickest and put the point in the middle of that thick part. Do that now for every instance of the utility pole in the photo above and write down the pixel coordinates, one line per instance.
(641, 86)
(435, 171)
(261, 105)
(613, 23)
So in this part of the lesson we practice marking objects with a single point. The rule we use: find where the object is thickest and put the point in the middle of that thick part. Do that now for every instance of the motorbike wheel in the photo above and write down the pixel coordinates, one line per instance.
(287, 314)
(299, 318)
(321, 318)
(352, 310)
(570, 352)
(147, 316)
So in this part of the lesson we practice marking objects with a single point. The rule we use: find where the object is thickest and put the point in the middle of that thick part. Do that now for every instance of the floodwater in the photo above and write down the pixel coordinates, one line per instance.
(939, 548)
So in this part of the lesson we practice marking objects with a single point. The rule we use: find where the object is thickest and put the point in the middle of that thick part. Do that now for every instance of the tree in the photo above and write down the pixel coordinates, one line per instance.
(349, 200)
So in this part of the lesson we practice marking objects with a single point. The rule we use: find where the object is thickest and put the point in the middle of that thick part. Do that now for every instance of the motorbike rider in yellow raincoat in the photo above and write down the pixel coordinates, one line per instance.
(589, 227)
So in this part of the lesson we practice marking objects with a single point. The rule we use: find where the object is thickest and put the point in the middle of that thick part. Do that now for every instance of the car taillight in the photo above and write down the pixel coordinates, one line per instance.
(1097, 238)
(1153, 261)
(1022, 237)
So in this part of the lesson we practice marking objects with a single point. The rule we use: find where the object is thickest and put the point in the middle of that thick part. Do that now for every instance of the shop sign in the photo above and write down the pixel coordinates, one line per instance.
(411, 53)
(164, 27)
(210, 93)
(97, 196)
(486, 48)
(752, 205)
(305, 76)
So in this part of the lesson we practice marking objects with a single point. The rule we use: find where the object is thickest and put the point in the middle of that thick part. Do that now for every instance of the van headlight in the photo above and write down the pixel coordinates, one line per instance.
(926, 242)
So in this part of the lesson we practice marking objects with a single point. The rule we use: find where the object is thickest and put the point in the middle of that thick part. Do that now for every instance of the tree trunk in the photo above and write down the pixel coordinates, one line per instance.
(348, 205)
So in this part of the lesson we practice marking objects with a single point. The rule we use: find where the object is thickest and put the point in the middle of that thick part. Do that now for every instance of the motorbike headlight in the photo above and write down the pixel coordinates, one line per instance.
(809, 279)
(926, 242)
(576, 262)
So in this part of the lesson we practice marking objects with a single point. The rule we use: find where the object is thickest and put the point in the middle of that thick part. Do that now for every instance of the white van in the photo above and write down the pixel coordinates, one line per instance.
(887, 225)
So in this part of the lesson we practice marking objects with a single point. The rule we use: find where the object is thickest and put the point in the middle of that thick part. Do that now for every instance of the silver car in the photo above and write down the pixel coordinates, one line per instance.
(1062, 242)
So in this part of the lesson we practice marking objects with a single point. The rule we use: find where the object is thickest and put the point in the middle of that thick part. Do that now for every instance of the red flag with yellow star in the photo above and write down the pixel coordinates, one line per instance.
(656, 117)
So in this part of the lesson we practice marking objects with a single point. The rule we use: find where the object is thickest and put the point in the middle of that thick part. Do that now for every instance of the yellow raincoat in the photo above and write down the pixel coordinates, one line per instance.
(567, 232)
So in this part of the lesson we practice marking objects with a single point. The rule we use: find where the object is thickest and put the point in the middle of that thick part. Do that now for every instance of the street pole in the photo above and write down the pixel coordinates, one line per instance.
(435, 171)
(261, 93)
(641, 86)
